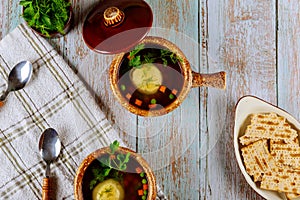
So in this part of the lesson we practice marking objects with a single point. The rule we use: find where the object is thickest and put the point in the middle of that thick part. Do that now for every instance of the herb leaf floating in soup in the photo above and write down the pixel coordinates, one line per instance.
(137, 60)
(150, 75)
(111, 177)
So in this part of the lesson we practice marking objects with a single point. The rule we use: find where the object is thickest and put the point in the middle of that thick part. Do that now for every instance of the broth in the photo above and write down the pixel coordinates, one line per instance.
(130, 180)
(169, 81)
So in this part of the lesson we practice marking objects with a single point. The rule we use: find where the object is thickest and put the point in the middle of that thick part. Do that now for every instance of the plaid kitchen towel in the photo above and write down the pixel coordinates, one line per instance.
(55, 97)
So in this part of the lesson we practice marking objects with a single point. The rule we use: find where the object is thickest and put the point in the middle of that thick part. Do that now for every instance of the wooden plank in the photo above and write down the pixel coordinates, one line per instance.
(172, 145)
(238, 36)
(242, 40)
(289, 56)
(93, 69)
(10, 16)
(204, 135)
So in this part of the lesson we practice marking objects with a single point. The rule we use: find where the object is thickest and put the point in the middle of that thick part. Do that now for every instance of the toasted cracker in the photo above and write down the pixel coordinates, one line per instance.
(286, 154)
(292, 196)
(266, 118)
(268, 126)
(272, 154)
(282, 180)
(294, 143)
(257, 159)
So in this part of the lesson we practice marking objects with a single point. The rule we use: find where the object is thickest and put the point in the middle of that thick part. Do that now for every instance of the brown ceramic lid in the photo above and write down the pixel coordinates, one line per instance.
(115, 26)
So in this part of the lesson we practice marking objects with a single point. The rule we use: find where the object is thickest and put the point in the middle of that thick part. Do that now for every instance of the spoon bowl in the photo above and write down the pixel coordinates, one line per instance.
(18, 78)
(49, 147)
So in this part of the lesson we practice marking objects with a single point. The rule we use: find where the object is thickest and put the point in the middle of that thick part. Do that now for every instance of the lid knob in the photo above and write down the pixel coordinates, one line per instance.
(113, 16)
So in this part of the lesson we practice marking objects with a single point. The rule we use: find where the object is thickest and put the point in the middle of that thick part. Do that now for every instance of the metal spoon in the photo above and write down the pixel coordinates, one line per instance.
(18, 77)
(49, 147)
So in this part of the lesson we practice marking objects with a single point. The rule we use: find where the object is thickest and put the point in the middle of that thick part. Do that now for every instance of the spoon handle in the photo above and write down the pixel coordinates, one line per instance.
(4, 95)
(46, 189)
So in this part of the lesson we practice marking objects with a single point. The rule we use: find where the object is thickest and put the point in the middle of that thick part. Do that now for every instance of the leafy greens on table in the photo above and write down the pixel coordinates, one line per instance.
(46, 16)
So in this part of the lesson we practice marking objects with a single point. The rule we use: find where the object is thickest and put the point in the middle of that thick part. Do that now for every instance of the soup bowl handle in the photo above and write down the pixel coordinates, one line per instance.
(216, 80)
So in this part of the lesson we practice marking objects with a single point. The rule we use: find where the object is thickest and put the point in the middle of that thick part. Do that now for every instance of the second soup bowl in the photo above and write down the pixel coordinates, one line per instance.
(114, 173)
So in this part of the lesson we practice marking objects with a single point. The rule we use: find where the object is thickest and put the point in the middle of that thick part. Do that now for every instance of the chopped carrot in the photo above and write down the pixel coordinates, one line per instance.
(145, 187)
(128, 96)
(138, 170)
(1, 103)
(138, 102)
(174, 91)
(140, 192)
(152, 105)
(162, 88)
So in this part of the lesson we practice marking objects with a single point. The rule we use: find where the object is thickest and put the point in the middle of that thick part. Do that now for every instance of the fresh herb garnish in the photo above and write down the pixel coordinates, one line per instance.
(135, 51)
(46, 16)
(110, 166)
(137, 60)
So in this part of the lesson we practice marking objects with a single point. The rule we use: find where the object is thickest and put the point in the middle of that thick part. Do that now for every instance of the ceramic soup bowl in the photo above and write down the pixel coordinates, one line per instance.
(121, 174)
(155, 77)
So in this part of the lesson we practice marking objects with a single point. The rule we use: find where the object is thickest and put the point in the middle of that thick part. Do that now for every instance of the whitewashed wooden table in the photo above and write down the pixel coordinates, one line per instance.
(256, 42)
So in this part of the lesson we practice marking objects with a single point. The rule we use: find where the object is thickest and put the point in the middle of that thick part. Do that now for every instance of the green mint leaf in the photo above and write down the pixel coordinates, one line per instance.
(173, 58)
(46, 16)
(25, 3)
(106, 171)
(104, 162)
(135, 62)
(137, 49)
(165, 61)
(149, 58)
(114, 146)
(46, 20)
(164, 52)
(120, 157)
(123, 167)
(126, 160)
(96, 171)
(93, 183)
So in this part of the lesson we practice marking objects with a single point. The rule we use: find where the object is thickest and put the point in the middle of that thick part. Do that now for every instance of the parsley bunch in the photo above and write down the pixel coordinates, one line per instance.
(46, 16)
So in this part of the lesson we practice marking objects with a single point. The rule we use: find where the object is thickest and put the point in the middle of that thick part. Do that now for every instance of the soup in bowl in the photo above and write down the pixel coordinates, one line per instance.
(114, 173)
(155, 77)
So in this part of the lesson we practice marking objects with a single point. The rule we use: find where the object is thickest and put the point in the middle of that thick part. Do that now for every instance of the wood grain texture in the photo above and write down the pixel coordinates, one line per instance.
(242, 38)
(172, 147)
(289, 56)
(255, 42)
